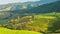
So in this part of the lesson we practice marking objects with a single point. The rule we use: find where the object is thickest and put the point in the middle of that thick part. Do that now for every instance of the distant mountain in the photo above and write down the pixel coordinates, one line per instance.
(8, 9)
(45, 8)
(50, 7)
(18, 8)
(25, 5)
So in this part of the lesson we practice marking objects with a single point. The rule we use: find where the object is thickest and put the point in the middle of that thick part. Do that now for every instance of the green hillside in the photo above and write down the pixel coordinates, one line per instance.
(8, 31)
(43, 19)
(38, 22)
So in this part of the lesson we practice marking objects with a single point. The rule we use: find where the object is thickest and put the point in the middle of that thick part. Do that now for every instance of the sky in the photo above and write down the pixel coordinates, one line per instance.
(15, 1)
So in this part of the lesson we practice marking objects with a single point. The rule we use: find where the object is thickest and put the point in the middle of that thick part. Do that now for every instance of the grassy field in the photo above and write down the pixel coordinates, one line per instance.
(8, 31)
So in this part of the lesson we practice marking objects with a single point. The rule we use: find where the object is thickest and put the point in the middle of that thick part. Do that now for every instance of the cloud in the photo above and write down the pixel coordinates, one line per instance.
(14, 1)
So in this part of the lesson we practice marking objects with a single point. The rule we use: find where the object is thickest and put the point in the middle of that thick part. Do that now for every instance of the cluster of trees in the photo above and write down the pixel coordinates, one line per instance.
(19, 23)
(24, 23)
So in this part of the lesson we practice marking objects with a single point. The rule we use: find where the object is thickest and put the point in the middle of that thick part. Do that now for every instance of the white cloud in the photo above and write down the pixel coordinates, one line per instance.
(14, 1)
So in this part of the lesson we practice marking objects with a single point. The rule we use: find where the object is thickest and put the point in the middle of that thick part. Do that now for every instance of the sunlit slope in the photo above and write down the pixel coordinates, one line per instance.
(43, 21)
(8, 31)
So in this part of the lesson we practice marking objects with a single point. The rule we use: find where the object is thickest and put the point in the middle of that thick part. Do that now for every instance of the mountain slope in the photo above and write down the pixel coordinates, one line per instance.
(45, 8)
(16, 6)
(28, 5)
(52, 7)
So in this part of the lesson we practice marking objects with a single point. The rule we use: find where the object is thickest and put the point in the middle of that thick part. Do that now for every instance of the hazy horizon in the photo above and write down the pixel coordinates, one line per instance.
(15, 1)
(2, 2)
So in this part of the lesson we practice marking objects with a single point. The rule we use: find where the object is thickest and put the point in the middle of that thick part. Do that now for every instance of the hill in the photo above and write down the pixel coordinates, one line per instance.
(45, 8)
(12, 14)
(24, 8)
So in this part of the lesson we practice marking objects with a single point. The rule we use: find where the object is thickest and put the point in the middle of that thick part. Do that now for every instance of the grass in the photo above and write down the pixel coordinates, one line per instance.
(8, 31)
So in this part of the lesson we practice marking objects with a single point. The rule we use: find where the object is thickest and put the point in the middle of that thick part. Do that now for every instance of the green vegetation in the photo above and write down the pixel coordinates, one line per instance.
(48, 22)
(44, 19)
(8, 31)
